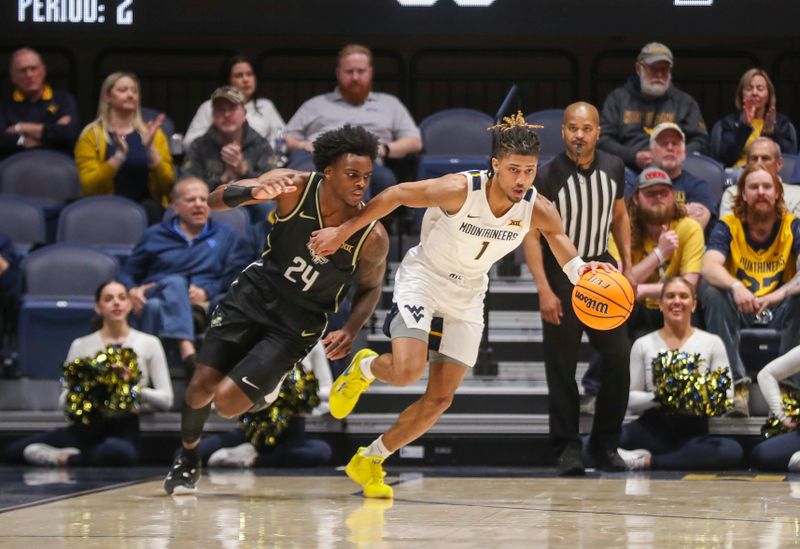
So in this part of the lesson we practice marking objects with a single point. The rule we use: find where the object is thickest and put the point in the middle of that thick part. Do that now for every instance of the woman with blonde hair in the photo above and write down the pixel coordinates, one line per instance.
(756, 116)
(120, 154)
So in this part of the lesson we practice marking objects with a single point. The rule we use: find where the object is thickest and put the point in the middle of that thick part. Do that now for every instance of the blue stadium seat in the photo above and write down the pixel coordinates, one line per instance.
(23, 222)
(789, 166)
(110, 224)
(58, 286)
(709, 170)
(550, 134)
(236, 217)
(167, 126)
(48, 178)
(454, 140)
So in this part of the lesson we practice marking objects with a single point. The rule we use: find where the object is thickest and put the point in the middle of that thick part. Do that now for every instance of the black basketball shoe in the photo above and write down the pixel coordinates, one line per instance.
(183, 477)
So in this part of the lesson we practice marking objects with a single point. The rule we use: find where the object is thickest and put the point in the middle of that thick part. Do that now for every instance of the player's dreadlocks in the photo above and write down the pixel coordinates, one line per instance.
(515, 136)
(348, 139)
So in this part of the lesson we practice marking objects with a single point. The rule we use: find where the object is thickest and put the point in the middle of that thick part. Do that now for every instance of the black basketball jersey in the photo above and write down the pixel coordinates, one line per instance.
(300, 276)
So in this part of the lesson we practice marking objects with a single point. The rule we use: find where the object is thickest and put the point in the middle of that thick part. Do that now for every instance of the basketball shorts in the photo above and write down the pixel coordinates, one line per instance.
(450, 315)
(255, 339)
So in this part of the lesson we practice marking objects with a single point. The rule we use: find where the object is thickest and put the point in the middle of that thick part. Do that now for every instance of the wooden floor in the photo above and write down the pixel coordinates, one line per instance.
(242, 509)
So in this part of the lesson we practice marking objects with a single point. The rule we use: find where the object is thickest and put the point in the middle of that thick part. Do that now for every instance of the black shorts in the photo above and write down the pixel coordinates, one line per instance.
(255, 338)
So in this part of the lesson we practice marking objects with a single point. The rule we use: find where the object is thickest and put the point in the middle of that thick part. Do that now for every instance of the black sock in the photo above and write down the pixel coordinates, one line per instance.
(192, 421)
(191, 453)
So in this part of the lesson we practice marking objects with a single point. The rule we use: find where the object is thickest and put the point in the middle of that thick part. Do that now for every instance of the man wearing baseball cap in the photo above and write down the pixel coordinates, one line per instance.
(630, 113)
(664, 242)
(668, 151)
(230, 150)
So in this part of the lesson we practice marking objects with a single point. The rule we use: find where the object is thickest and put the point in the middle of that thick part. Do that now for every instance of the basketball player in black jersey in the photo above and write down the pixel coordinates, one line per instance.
(275, 311)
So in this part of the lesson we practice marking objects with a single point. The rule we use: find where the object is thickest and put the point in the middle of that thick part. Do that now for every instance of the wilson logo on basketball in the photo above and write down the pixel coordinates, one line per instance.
(592, 303)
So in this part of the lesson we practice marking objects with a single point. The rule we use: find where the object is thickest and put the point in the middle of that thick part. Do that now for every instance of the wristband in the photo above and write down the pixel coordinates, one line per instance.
(121, 156)
(735, 285)
(385, 150)
(572, 267)
(234, 195)
(659, 255)
(18, 128)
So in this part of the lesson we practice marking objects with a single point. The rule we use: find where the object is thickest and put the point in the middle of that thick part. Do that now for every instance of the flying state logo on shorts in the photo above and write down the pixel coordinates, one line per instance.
(416, 312)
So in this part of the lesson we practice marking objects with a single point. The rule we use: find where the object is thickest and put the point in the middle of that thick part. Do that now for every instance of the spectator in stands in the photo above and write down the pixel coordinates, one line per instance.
(764, 151)
(112, 441)
(179, 264)
(750, 271)
(662, 440)
(230, 149)
(354, 102)
(9, 276)
(665, 242)
(756, 117)
(668, 150)
(631, 112)
(120, 154)
(261, 113)
(781, 452)
(36, 115)
(292, 448)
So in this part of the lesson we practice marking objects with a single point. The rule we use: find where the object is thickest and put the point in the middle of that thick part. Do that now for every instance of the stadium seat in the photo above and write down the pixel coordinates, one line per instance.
(550, 134)
(709, 170)
(167, 126)
(110, 224)
(237, 217)
(789, 166)
(48, 178)
(23, 221)
(58, 286)
(454, 140)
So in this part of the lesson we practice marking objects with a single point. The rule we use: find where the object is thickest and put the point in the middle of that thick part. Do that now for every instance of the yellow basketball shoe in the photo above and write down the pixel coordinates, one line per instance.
(349, 386)
(368, 472)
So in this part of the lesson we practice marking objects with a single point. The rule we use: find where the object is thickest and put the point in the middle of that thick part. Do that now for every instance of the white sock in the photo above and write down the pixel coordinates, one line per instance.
(377, 449)
(365, 367)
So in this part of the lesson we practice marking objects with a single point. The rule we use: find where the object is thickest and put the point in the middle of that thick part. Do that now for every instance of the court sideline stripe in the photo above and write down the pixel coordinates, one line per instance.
(75, 494)
(611, 513)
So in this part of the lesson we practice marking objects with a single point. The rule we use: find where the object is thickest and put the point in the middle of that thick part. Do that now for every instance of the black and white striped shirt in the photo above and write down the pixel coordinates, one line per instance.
(584, 198)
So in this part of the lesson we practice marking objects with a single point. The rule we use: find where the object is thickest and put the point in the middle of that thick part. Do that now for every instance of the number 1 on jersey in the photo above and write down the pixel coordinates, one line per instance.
(484, 245)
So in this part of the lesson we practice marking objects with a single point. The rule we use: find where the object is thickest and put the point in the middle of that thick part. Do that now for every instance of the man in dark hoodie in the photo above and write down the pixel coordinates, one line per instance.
(631, 112)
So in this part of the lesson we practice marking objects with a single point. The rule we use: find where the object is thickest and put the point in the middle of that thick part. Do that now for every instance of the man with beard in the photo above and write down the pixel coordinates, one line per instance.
(665, 242)
(668, 150)
(586, 186)
(354, 102)
(631, 112)
(750, 271)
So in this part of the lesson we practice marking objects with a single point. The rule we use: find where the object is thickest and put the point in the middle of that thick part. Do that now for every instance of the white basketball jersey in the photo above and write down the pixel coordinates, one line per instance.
(463, 246)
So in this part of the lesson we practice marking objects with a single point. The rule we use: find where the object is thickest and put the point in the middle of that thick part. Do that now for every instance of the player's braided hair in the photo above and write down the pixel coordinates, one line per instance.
(515, 136)
(345, 140)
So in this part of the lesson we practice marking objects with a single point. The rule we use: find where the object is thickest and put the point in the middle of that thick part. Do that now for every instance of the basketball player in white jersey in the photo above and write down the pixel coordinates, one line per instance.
(473, 219)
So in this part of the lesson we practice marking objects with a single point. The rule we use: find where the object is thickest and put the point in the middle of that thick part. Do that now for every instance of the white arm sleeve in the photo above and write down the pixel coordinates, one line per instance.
(640, 399)
(160, 396)
(769, 376)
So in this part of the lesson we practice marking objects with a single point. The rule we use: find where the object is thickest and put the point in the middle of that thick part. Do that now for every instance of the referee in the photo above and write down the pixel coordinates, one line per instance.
(586, 185)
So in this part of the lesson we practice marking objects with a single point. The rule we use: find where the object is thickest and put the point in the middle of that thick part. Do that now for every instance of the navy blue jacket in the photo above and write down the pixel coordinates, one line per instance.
(9, 279)
(734, 134)
(163, 250)
(54, 105)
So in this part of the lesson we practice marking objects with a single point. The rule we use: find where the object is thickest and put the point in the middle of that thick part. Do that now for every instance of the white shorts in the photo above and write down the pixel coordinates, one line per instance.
(422, 295)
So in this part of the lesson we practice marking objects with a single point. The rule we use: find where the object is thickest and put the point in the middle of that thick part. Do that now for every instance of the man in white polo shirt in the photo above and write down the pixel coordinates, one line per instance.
(353, 102)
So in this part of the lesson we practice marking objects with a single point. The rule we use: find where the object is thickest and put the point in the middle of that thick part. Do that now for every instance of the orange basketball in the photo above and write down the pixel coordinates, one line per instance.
(602, 300)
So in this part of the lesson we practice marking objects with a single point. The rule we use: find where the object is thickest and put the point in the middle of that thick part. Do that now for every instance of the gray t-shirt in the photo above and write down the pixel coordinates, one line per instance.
(382, 114)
